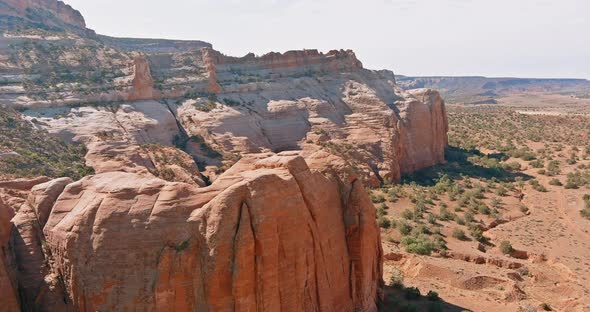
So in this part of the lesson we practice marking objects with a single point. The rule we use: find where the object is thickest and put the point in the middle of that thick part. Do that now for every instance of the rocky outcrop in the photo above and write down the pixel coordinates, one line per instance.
(25, 274)
(424, 123)
(142, 81)
(303, 60)
(359, 115)
(210, 59)
(8, 294)
(42, 197)
(271, 234)
(35, 10)
(39, 288)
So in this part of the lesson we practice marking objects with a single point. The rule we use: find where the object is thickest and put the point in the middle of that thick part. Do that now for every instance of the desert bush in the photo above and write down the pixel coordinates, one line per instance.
(418, 244)
(512, 166)
(445, 214)
(468, 216)
(495, 202)
(432, 296)
(585, 212)
(384, 223)
(506, 247)
(407, 214)
(553, 168)
(377, 199)
(477, 233)
(537, 186)
(501, 191)
(459, 234)
(404, 228)
(431, 218)
(397, 279)
(38, 153)
(412, 293)
(381, 212)
(555, 182)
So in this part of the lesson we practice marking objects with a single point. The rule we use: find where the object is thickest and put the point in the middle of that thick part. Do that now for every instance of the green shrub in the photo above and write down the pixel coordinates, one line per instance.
(384, 223)
(404, 228)
(412, 293)
(39, 154)
(585, 212)
(407, 214)
(431, 218)
(477, 233)
(397, 279)
(553, 168)
(377, 199)
(381, 212)
(419, 244)
(506, 247)
(459, 234)
(432, 296)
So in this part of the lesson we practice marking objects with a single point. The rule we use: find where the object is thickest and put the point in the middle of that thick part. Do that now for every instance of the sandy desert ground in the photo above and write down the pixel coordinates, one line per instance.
(521, 177)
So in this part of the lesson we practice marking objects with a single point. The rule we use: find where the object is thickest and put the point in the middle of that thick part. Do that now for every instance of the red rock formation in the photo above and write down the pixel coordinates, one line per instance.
(61, 10)
(423, 127)
(43, 196)
(23, 184)
(143, 83)
(211, 58)
(8, 294)
(270, 235)
(39, 288)
(333, 61)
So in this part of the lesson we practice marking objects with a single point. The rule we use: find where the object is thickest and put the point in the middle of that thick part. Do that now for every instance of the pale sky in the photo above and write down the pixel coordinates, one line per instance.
(500, 38)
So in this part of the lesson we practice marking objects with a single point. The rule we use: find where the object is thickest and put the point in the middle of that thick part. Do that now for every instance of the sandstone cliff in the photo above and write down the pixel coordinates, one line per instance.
(51, 14)
(274, 233)
(222, 183)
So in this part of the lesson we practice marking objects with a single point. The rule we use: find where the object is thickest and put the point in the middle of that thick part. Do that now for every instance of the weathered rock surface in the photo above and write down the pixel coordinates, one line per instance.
(143, 83)
(359, 115)
(270, 234)
(50, 13)
(39, 289)
(43, 196)
(277, 230)
(228, 106)
(8, 294)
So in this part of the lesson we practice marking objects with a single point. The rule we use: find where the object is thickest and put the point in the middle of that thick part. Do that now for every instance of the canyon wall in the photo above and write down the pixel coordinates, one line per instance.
(221, 183)
(42, 13)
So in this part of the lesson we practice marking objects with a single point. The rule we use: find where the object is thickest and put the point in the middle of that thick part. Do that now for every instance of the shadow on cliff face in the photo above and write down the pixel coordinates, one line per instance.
(411, 300)
(472, 163)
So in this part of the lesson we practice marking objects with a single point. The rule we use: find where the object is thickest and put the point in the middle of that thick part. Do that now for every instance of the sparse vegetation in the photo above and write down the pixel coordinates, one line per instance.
(37, 154)
(506, 247)
(585, 212)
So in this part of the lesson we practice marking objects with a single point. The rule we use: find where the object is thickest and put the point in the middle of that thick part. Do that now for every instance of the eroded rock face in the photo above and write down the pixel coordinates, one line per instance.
(143, 83)
(270, 234)
(424, 123)
(64, 13)
(8, 294)
(359, 115)
(25, 258)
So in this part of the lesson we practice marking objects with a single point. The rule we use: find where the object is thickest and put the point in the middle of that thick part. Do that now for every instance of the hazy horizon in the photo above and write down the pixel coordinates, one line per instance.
(529, 39)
